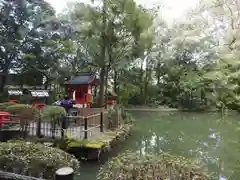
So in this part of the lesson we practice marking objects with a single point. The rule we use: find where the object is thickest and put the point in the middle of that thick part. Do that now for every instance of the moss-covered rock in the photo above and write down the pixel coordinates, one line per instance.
(85, 143)
(34, 159)
(103, 141)
(92, 148)
(162, 166)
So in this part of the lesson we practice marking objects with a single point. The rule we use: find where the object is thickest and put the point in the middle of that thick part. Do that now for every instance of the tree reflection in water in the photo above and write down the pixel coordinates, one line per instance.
(209, 139)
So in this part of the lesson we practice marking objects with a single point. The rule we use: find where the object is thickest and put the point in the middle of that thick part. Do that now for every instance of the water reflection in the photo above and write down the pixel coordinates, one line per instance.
(222, 178)
(209, 139)
(205, 138)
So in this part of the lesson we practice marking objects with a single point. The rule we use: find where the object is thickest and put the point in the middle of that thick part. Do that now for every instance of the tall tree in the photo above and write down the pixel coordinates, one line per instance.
(109, 34)
(20, 21)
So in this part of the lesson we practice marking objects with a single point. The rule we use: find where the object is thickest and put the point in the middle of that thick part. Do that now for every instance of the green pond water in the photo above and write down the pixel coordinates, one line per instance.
(209, 139)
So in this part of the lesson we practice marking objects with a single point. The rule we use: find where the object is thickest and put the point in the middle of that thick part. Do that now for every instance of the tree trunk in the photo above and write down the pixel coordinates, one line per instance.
(147, 74)
(4, 76)
(115, 81)
(95, 94)
(148, 78)
(158, 74)
(6, 71)
(106, 89)
(141, 80)
(46, 84)
(101, 87)
(103, 45)
(3, 82)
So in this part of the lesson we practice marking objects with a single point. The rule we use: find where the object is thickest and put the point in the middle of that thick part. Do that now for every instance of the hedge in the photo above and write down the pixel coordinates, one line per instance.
(53, 113)
(4, 106)
(35, 160)
(150, 166)
(23, 110)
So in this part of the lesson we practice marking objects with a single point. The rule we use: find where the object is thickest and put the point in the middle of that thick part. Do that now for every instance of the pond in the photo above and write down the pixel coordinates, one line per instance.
(209, 139)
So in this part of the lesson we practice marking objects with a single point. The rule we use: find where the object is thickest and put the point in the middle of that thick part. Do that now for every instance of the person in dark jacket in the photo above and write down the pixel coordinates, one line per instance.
(67, 103)
(58, 102)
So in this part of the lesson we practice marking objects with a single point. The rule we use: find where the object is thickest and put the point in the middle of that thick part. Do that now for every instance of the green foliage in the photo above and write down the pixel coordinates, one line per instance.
(128, 118)
(34, 159)
(163, 166)
(112, 36)
(4, 106)
(73, 143)
(23, 110)
(183, 65)
(53, 113)
(112, 118)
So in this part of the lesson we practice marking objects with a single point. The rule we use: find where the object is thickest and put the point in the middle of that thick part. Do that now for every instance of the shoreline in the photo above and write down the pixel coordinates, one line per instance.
(152, 109)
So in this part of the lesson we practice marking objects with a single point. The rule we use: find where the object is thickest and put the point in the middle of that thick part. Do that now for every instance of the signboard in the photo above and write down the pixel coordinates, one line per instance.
(39, 93)
(15, 92)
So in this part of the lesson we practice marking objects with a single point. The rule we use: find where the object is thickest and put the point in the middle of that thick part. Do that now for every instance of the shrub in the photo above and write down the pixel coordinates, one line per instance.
(53, 113)
(4, 106)
(23, 110)
(163, 166)
(128, 118)
(24, 113)
(34, 159)
(112, 118)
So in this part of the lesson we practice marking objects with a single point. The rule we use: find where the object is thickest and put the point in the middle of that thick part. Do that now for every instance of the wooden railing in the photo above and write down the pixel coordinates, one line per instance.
(12, 176)
(67, 175)
(90, 123)
(78, 127)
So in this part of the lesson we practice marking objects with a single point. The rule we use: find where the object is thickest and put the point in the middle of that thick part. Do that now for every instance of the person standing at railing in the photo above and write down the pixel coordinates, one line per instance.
(58, 102)
(67, 104)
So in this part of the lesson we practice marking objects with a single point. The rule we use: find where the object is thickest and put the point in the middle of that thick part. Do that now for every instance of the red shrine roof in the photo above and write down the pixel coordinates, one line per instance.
(83, 78)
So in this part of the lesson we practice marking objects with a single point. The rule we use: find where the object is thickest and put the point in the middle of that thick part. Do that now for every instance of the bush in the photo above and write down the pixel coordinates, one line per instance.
(23, 110)
(34, 159)
(24, 113)
(4, 106)
(53, 113)
(163, 166)
(113, 118)
(128, 118)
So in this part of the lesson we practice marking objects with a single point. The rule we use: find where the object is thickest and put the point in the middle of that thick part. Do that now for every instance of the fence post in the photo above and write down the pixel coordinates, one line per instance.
(101, 121)
(85, 127)
(63, 121)
(39, 126)
(65, 173)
